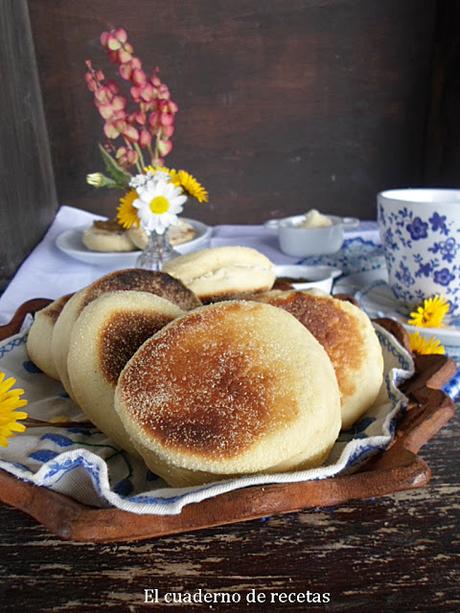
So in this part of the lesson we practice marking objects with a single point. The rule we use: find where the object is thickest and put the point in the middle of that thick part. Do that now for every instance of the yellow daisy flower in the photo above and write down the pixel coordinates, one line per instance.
(431, 314)
(425, 346)
(174, 177)
(10, 400)
(192, 186)
(126, 213)
(151, 168)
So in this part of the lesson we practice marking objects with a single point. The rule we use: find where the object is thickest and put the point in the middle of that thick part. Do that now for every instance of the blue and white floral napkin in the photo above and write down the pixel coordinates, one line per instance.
(82, 463)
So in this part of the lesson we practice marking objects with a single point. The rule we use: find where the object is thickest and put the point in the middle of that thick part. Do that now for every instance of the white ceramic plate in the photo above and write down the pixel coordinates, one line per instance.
(320, 277)
(378, 300)
(70, 242)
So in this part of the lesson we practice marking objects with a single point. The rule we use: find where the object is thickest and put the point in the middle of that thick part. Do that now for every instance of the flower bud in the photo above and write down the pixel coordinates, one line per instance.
(167, 130)
(96, 179)
(104, 38)
(118, 103)
(164, 147)
(121, 35)
(147, 92)
(110, 131)
(113, 86)
(138, 77)
(131, 133)
(124, 57)
(125, 71)
(112, 43)
(145, 138)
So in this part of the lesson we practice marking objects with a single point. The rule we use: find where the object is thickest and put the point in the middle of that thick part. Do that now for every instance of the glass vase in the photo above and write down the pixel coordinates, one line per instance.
(157, 252)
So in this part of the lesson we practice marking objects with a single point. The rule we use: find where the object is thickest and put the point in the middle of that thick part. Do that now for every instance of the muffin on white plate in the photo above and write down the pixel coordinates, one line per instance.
(107, 236)
(180, 233)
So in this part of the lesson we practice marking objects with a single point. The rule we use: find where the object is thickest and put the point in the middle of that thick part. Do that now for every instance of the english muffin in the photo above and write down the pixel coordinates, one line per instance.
(347, 335)
(179, 233)
(222, 272)
(229, 389)
(157, 283)
(105, 336)
(40, 335)
(107, 236)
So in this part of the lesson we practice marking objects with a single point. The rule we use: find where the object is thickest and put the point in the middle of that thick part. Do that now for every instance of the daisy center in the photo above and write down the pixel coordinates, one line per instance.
(159, 205)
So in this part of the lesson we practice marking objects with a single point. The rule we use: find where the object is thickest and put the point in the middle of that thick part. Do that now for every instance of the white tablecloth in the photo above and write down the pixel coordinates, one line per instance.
(58, 458)
(48, 273)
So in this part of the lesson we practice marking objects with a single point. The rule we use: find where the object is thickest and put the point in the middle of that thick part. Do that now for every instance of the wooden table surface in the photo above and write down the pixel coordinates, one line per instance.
(398, 553)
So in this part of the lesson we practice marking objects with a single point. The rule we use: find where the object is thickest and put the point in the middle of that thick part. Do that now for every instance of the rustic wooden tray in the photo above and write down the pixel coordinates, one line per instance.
(398, 468)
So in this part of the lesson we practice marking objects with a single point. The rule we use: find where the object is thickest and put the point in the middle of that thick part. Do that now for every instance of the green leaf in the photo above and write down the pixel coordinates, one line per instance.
(120, 176)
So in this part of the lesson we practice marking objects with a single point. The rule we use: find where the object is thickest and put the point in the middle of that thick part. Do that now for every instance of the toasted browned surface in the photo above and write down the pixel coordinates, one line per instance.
(54, 309)
(158, 283)
(109, 225)
(337, 330)
(212, 394)
(122, 335)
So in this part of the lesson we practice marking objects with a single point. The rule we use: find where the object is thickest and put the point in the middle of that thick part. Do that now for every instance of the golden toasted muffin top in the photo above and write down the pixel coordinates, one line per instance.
(158, 283)
(121, 336)
(204, 383)
(335, 328)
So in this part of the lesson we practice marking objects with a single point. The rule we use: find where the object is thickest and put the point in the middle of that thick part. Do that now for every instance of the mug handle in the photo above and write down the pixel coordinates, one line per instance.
(350, 222)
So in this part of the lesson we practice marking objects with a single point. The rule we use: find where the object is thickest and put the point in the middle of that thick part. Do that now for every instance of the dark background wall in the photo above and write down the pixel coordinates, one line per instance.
(284, 104)
(442, 146)
(27, 193)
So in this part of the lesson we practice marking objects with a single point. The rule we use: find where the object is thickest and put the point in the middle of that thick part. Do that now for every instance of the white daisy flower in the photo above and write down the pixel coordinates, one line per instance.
(158, 204)
(160, 175)
(140, 181)
(144, 183)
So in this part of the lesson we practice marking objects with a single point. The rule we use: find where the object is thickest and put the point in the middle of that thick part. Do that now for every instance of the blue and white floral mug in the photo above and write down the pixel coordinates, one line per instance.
(420, 232)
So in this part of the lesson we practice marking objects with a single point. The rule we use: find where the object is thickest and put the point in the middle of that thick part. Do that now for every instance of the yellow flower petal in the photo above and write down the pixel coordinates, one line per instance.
(192, 186)
(6, 384)
(126, 212)
(10, 401)
(431, 314)
(17, 427)
(425, 346)
(158, 169)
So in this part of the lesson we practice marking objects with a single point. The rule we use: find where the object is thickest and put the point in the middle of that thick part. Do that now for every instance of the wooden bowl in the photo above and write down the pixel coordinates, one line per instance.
(397, 468)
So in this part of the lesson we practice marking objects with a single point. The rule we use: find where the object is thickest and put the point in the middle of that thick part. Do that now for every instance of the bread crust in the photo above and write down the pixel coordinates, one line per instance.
(40, 336)
(107, 237)
(106, 334)
(223, 271)
(347, 335)
(157, 283)
(230, 388)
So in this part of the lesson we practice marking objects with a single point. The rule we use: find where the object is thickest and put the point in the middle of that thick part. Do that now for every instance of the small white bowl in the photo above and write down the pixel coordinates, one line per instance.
(302, 242)
(320, 277)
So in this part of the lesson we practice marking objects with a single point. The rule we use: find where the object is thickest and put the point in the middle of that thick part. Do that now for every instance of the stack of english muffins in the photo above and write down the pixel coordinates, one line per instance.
(208, 373)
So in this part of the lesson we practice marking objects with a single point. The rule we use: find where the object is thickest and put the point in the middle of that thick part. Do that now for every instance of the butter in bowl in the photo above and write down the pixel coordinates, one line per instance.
(311, 234)
(300, 277)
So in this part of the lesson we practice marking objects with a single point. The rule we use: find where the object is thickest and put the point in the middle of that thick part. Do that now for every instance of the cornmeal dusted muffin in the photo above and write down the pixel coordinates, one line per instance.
(349, 339)
(105, 336)
(228, 389)
(40, 335)
(158, 283)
